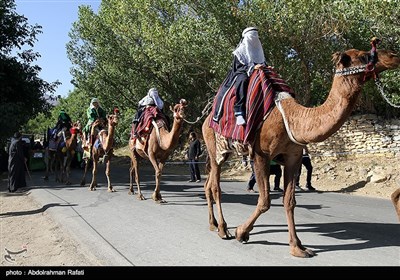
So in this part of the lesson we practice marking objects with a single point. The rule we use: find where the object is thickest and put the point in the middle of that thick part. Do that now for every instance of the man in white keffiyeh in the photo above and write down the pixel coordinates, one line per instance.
(151, 99)
(248, 55)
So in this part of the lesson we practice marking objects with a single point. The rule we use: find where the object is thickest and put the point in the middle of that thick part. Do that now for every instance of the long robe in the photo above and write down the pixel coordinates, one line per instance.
(16, 165)
(239, 80)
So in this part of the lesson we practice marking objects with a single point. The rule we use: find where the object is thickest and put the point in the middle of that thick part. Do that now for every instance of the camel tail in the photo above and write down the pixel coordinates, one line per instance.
(396, 201)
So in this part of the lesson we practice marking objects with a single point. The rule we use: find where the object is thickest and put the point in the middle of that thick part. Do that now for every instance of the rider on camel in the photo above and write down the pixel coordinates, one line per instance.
(247, 57)
(64, 123)
(151, 99)
(94, 112)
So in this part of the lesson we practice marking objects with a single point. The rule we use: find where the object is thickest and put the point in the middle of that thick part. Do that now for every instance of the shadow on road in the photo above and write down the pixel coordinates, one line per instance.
(355, 235)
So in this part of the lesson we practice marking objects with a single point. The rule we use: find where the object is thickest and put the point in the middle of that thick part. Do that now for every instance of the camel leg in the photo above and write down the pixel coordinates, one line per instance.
(70, 155)
(58, 168)
(64, 162)
(212, 185)
(93, 184)
(110, 187)
(292, 165)
(158, 167)
(211, 218)
(396, 201)
(46, 176)
(261, 169)
(49, 165)
(134, 169)
(216, 196)
(83, 180)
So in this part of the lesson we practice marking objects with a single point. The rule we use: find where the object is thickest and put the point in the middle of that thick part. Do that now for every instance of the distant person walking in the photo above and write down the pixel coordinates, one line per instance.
(274, 169)
(16, 164)
(306, 161)
(193, 155)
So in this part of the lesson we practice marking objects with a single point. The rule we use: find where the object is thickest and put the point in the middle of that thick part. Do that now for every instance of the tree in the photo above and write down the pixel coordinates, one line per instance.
(184, 47)
(22, 92)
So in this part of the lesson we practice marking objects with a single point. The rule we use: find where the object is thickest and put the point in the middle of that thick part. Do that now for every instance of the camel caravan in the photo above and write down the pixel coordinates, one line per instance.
(278, 128)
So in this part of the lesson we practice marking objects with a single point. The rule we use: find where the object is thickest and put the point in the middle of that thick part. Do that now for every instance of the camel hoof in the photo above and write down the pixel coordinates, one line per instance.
(111, 190)
(224, 234)
(141, 197)
(157, 198)
(213, 228)
(298, 252)
(131, 192)
(243, 237)
(161, 201)
(92, 189)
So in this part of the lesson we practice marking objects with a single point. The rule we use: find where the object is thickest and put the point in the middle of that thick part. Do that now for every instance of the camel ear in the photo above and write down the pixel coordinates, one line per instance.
(336, 57)
(341, 58)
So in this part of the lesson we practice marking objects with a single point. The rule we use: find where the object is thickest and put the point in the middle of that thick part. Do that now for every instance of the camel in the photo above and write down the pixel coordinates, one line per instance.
(396, 201)
(160, 145)
(63, 165)
(105, 151)
(307, 125)
(71, 143)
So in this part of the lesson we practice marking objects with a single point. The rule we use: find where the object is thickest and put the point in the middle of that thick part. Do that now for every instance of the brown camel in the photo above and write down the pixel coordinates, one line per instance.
(158, 149)
(105, 151)
(307, 125)
(71, 144)
(62, 164)
(396, 201)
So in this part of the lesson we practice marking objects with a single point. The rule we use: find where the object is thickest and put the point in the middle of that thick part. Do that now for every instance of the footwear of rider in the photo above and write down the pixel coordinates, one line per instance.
(240, 120)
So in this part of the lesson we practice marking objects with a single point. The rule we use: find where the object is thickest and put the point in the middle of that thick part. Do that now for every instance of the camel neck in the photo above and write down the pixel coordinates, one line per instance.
(318, 123)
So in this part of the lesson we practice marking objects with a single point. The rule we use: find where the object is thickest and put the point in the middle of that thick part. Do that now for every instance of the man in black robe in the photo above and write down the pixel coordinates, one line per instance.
(16, 164)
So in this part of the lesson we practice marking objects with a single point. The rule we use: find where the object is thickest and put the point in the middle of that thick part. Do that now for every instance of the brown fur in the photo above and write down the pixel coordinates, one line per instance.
(62, 164)
(396, 201)
(157, 152)
(107, 146)
(308, 125)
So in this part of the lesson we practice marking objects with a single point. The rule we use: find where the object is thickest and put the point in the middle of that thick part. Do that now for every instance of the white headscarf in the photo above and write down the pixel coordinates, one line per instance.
(250, 51)
(152, 98)
(93, 101)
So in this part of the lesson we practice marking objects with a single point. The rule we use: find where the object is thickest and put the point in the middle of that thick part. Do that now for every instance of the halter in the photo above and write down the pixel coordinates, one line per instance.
(366, 68)
(351, 70)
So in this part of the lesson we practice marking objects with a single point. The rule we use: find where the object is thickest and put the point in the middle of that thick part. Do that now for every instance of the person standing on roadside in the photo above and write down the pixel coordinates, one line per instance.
(193, 155)
(16, 164)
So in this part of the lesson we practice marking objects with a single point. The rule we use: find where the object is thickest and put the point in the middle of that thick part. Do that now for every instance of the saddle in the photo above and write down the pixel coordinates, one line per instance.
(263, 85)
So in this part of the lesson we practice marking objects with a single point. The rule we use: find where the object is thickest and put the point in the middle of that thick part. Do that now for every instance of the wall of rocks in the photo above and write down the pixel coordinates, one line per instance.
(359, 136)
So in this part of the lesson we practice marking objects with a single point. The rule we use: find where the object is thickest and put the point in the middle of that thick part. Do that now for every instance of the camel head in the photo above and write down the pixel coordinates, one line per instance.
(112, 119)
(77, 126)
(355, 61)
(179, 109)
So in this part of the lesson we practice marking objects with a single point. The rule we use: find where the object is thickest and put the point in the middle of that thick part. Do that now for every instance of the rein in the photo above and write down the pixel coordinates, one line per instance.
(203, 112)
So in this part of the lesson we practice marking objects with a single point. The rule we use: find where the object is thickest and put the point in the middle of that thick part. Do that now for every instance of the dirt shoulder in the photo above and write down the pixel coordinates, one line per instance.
(30, 237)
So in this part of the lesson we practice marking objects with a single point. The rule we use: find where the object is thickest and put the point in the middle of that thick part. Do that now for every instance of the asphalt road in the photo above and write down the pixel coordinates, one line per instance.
(343, 230)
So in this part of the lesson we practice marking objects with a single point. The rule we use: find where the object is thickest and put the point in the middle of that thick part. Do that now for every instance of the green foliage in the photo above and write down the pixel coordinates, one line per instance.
(184, 48)
(22, 92)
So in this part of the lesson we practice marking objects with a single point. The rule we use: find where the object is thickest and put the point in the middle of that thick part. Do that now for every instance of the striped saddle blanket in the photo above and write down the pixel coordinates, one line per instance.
(263, 85)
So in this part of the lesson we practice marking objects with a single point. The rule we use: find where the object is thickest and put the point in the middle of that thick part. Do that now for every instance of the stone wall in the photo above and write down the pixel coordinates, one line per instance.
(361, 135)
